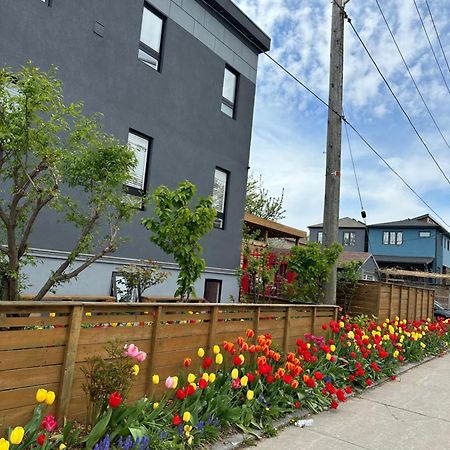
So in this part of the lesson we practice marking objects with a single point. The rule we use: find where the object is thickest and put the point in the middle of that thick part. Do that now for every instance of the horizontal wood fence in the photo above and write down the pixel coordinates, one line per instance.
(45, 344)
(388, 300)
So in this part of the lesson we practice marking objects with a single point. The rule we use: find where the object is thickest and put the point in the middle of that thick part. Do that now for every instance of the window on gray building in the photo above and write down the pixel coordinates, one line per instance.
(151, 37)
(140, 144)
(319, 237)
(392, 238)
(230, 81)
(212, 291)
(220, 196)
(349, 239)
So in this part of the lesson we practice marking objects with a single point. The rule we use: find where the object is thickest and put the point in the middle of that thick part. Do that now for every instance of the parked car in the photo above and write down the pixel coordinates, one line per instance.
(441, 311)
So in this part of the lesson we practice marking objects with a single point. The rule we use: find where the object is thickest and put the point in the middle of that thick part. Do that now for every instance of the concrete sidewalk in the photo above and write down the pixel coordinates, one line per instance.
(412, 412)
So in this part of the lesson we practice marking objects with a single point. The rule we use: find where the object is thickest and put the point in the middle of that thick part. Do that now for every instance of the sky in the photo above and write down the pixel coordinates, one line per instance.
(289, 127)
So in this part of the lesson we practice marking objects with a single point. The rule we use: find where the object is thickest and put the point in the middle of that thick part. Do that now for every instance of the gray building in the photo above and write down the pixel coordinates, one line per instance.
(174, 78)
(352, 234)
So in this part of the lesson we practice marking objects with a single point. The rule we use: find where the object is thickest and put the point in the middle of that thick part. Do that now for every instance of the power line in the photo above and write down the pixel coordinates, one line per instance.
(437, 35)
(290, 74)
(411, 75)
(431, 46)
(397, 100)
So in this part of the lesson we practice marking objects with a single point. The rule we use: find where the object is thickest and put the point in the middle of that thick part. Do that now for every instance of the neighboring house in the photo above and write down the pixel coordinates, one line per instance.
(352, 234)
(369, 268)
(176, 79)
(420, 243)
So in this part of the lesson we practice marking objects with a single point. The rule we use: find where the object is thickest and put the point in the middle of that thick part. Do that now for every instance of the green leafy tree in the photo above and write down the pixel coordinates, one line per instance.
(177, 229)
(312, 265)
(347, 282)
(48, 152)
(259, 203)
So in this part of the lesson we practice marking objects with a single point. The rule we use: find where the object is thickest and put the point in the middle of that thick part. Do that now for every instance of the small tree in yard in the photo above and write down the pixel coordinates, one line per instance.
(347, 282)
(312, 265)
(177, 229)
(48, 152)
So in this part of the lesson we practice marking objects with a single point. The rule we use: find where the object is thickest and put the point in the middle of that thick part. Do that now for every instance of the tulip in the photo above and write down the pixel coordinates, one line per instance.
(141, 356)
(219, 358)
(244, 380)
(175, 382)
(131, 350)
(187, 362)
(115, 399)
(202, 384)
(155, 405)
(62, 446)
(250, 395)
(176, 420)
(205, 376)
(135, 370)
(234, 373)
(17, 435)
(41, 395)
(4, 444)
(200, 352)
(186, 416)
(191, 378)
(212, 377)
(155, 379)
(216, 349)
(180, 394)
(41, 439)
(50, 398)
(49, 423)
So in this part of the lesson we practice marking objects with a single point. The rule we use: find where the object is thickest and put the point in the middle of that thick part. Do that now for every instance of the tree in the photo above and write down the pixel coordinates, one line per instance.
(141, 277)
(259, 203)
(312, 266)
(54, 157)
(177, 229)
(347, 282)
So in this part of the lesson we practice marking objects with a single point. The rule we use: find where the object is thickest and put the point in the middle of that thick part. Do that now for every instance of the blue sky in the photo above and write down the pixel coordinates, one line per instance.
(289, 130)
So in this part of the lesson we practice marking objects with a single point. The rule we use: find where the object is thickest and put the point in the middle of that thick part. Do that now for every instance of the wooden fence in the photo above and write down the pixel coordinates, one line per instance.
(45, 344)
(388, 300)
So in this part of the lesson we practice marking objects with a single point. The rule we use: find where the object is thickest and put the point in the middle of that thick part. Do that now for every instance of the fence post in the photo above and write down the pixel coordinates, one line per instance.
(68, 368)
(415, 303)
(287, 325)
(256, 322)
(313, 321)
(213, 319)
(407, 304)
(390, 301)
(153, 347)
(400, 302)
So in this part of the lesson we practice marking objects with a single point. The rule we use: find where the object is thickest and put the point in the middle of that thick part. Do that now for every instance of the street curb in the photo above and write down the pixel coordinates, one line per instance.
(237, 440)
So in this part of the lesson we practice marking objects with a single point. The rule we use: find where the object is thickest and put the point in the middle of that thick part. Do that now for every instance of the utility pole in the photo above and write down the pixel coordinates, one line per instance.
(333, 167)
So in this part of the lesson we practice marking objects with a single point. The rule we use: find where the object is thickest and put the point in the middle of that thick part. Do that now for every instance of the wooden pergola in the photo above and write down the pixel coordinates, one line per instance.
(414, 273)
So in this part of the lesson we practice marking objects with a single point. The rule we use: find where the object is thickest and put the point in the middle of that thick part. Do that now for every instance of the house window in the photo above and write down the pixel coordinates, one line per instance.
(230, 80)
(151, 37)
(349, 239)
(140, 144)
(424, 234)
(213, 290)
(219, 196)
(392, 238)
(319, 237)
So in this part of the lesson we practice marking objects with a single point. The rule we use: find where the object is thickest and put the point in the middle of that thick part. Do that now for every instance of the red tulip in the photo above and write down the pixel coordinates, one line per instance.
(207, 362)
(189, 390)
(115, 399)
(177, 420)
(297, 404)
(202, 383)
(49, 423)
(334, 404)
(41, 439)
(180, 394)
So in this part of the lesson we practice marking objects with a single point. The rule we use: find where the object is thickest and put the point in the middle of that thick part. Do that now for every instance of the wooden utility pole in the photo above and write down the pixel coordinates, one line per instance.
(333, 167)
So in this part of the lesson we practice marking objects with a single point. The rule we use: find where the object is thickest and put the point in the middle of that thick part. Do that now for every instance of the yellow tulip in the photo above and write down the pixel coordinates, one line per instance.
(244, 380)
(4, 444)
(193, 385)
(135, 370)
(395, 354)
(190, 440)
(155, 405)
(332, 347)
(212, 377)
(155, 379)
(242, 358)
(216, 349)
(205, 376)
(250, 395)
(341, 324)
(50, 397)
(191, 378)
(219, 358)
(328, 356)
(200, 352)
(351, 335)
(186, 416)
(175, 382)
(17, 435)
(234, 373)
(41, 395)
(62, 446)
(422, 345)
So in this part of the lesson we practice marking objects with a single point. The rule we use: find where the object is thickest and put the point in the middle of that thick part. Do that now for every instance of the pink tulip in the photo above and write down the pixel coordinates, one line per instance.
(141, 356)
(131, 350)
(169, 382)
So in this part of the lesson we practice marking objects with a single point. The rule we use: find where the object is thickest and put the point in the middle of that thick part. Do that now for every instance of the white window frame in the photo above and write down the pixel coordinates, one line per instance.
(228, 106)
(146, 53)
(138, 184)
(320, 237)
(221, 176)
(424, 234)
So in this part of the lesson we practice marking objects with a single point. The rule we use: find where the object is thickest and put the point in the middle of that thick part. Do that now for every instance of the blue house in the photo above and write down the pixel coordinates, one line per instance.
(420, 243)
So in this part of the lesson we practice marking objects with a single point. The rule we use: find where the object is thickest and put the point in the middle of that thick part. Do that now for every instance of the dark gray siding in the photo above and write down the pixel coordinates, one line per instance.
(360, 238)
(179, 107)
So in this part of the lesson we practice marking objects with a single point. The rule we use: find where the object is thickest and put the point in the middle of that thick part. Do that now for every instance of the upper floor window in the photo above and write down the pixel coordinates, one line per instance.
(424, 234)
(349, 239)
(140, 144)
(392, 238)
(319, 237)
(230, 81)
(219, 196)
(151, 37)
